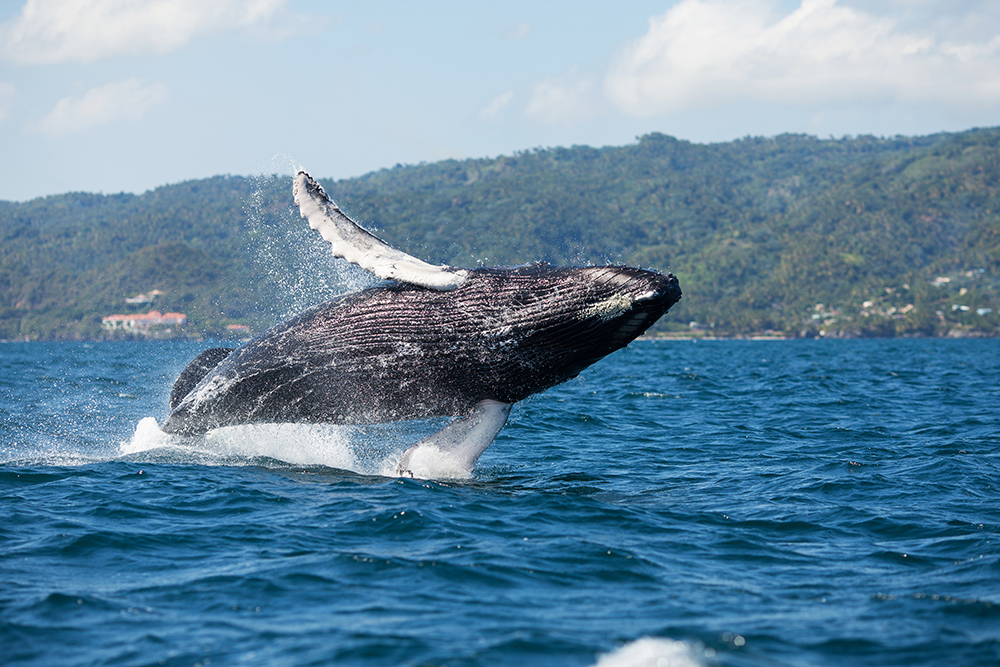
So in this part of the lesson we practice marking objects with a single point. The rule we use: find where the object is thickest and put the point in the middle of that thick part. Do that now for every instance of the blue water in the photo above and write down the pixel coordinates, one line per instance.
(709, 503)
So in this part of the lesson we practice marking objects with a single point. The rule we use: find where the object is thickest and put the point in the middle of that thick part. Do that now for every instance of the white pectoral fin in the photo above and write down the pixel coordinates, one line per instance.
(360, 247)
(454, 450)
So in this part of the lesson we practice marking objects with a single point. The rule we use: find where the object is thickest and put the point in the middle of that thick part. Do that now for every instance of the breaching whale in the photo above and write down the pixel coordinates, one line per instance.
(434, 341)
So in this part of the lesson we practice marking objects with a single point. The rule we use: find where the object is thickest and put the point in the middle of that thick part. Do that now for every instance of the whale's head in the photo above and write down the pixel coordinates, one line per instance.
(622, 302)
(562, 320)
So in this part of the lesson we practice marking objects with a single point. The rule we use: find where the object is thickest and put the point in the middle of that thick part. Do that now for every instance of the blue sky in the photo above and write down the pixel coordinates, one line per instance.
(121, 95)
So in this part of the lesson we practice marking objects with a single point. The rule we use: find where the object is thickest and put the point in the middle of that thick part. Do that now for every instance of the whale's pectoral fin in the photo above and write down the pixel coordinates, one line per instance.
(360, 247)
(199, 367)
(454, 450)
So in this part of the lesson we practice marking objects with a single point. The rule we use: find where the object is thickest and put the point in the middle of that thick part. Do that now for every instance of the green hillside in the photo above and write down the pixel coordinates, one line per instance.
(793, 234)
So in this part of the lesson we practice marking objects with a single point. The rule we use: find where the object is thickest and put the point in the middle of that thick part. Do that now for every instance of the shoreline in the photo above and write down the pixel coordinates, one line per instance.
(667, 336)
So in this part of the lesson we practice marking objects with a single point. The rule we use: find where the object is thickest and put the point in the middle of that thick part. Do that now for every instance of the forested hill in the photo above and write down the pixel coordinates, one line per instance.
(851, 237)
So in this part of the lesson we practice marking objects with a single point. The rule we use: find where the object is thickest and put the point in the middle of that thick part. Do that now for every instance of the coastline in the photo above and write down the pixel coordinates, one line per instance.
(952, 334)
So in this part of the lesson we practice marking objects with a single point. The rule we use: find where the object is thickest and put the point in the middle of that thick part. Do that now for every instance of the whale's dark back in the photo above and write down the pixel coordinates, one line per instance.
(402, 352)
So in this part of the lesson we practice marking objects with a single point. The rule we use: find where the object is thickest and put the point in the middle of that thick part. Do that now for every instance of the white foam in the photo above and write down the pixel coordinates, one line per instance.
(299, 444)
(653, 652)
(147, 436)
(367, 450)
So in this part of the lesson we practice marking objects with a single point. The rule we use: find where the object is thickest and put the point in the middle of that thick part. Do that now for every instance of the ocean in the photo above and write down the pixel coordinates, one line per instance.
(823, 502)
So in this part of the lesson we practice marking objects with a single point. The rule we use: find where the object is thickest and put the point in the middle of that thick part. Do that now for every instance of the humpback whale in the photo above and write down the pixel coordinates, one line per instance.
(431, 341)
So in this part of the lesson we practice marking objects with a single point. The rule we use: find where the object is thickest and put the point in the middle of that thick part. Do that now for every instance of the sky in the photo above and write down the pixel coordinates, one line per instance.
(113, 96)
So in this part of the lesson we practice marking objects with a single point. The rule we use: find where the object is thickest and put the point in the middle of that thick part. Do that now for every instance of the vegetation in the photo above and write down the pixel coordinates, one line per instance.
(792, 234)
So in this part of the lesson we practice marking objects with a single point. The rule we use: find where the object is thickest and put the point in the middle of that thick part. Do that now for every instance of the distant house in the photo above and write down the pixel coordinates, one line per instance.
(143, 323)
(143, 298)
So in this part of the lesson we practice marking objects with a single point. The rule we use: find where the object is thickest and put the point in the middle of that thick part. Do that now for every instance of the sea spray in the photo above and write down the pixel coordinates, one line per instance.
(292, 262)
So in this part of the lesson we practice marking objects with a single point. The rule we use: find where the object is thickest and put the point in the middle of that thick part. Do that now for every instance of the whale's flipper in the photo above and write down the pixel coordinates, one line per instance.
(360, 247)
(199, 367)
(454, 450)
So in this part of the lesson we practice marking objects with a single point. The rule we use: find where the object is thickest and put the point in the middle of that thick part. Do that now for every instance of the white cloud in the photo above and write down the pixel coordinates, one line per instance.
(53, 31)
(123, 100)
(492, 110)
(564, 99)
(6, 98)
(703, 53)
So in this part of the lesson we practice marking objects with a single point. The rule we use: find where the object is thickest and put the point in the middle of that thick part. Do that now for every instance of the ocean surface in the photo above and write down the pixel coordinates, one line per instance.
(681, 503)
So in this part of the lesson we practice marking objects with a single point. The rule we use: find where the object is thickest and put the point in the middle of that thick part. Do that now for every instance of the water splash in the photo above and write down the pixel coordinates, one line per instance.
(299, 269)
(292, 261)
(368, 450)
(654, 652)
